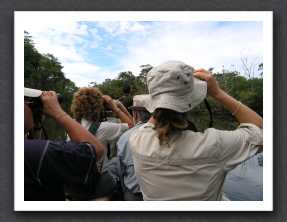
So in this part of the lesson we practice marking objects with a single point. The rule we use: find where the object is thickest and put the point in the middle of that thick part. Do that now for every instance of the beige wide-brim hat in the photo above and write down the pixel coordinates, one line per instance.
(137, 104)
(32, 92)
(172, 86)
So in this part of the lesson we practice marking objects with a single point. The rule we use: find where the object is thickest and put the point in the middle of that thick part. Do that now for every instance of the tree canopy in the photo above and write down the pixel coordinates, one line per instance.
(44, 72)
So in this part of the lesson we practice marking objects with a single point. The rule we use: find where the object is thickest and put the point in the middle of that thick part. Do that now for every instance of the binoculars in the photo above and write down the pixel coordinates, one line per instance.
(38, 106)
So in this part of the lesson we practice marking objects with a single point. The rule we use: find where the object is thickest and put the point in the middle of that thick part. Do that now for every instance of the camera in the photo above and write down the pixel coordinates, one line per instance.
(105, 105)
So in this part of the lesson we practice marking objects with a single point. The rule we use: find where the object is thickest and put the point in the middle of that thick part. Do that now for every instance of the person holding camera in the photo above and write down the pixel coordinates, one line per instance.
(176, 164)
(87, 106)
(48, 165)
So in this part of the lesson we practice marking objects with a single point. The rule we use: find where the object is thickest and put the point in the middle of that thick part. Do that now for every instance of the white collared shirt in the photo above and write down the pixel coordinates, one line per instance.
(108, 131)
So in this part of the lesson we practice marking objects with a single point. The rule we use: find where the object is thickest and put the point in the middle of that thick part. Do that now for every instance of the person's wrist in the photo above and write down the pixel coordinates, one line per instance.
(58, 116)
(118, 110)
(217, 95)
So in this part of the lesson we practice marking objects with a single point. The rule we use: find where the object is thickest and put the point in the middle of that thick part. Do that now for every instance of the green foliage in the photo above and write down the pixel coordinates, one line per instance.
(248, 91)
(260, 67)
(141, 81)
(113, 87)
(256, 102)
(126, 77)
(44, 72)
(31, 55)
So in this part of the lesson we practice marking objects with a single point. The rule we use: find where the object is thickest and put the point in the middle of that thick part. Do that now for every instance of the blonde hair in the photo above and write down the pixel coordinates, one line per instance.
(87, 103)
(169, 123)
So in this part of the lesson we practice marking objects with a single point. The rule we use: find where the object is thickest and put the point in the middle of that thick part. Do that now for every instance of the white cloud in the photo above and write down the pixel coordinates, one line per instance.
(82, 74)
(136, 27)
(63, 26)
(60, 38)
(197, 44)
(94, 45)
(63, 53)
(117, 28)
(96, 41)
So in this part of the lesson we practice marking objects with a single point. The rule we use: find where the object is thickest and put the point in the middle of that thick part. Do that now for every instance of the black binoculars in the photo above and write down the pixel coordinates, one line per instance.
(38, 106)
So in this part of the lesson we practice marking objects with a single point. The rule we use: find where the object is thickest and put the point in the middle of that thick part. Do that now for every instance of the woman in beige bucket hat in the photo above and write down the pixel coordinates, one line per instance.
(172, 163)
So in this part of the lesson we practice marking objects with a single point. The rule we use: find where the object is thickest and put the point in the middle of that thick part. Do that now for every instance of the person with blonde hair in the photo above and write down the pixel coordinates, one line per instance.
(87, 107)
(172, 163)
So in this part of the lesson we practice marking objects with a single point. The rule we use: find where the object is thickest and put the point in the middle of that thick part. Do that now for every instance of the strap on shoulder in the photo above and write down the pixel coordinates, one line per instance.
(94, 127)
(210, 113)
(121, 98)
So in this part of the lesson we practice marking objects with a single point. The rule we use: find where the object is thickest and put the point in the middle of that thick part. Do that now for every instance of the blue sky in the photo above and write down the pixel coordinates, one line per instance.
(93, 50)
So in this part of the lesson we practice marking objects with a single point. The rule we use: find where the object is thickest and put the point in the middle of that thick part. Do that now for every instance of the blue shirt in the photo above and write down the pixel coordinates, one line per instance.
(125, 162)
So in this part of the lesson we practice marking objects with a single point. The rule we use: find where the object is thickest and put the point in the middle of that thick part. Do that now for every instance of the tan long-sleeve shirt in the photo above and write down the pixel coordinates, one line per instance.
(195, 165)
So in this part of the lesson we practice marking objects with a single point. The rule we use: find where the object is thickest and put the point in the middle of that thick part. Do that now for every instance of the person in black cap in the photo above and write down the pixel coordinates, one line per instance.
(49, 165)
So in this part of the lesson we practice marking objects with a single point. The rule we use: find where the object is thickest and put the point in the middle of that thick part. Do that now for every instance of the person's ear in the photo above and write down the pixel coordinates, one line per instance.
(135, 115)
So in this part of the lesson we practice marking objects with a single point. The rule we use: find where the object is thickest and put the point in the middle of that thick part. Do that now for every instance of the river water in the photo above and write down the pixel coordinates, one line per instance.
(244, 183)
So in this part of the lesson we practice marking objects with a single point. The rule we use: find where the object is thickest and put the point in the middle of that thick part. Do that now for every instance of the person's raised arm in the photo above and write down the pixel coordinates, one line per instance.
(76, 131)
(242, 113)
(124, 109)
(120, 111)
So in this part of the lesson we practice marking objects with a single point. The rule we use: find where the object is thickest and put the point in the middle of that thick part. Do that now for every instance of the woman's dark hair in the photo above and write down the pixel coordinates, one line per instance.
(169, 123)
(126, 88)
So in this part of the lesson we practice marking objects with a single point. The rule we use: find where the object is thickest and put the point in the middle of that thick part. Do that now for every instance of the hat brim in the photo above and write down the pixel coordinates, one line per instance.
(137, 108)
(179, 104)
(32, 92)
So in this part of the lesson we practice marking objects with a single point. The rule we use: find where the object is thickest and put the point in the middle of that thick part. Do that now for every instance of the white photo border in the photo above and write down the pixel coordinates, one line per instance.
(22, 17)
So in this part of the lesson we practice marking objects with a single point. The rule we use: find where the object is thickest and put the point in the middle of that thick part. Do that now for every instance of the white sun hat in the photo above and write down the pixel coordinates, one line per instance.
(172, 86)
(137, 104)
(32, 92)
